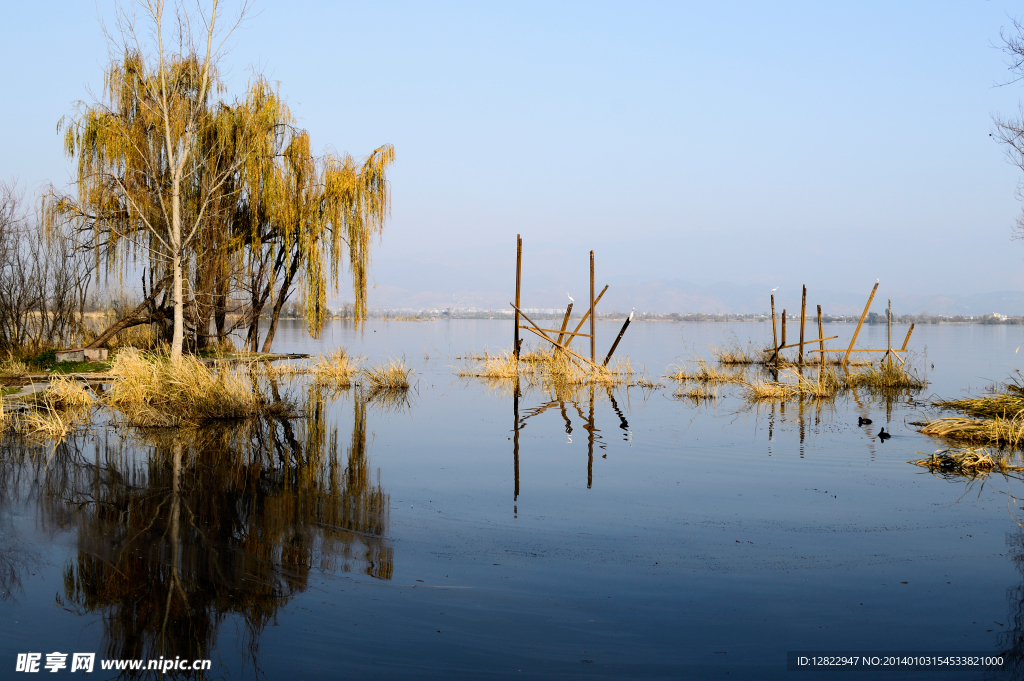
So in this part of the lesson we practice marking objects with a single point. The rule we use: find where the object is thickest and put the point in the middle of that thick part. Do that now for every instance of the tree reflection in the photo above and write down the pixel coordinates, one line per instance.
(178, 530)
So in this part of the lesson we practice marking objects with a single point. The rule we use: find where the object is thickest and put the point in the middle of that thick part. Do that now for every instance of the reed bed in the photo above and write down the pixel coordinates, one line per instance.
(392, 375)
(996, 417)
(335, 370)
(154, 391)
(984, 430)
(701, 392)
(826, 386)
(500, 366)
(554, 368)
(12, 367)
(705, 373)
(886, 376)
(969, 462)
(735, 354)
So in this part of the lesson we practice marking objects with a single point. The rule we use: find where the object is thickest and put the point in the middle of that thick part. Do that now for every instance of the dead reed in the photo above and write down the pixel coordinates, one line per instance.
(701, 392)
(12, 367)
(735, 354)
(500, 366)
(51, 414)
(705, 373)
(392, 375)
(335, 370)
(996, 417)
(886, 376)
(995, 430)
(154, 391)
(825, 386)
(969, 463)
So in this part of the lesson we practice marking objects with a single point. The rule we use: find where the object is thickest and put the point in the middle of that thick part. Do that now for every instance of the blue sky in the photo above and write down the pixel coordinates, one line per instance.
(756, 144)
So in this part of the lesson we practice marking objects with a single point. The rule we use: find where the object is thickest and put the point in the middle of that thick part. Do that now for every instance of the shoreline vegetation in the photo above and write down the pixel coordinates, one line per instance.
(145, 390)
(993, 418)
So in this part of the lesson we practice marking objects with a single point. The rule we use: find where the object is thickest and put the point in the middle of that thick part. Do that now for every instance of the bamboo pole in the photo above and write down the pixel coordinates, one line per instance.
(907, 339)
(888, 340)
(860, 323)
(564, 333)
(593, 345)
(565, 321)
(533, 327)
(616, 343)
(783, 337)
(821, 346)
(586, 316)
(803, 315)
(519, 272)
(775, 335)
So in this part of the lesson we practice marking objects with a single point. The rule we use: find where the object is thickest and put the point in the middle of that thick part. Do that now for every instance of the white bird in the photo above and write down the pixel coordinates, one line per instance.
(775, 289)
(570, 298)
(876, 280)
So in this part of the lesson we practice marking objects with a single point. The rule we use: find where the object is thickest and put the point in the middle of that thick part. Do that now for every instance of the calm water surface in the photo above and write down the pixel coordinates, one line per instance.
(619, 534)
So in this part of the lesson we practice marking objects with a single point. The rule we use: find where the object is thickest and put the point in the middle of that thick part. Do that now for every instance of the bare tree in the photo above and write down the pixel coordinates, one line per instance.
(1010, 131)
(144, 181)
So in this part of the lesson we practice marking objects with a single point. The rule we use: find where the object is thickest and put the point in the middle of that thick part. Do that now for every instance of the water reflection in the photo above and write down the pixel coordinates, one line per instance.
(565, 402)
(178, 530)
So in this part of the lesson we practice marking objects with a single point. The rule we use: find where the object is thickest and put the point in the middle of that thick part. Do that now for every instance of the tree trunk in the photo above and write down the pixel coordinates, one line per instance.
(131, 319)
(177, 339)
(279, 303)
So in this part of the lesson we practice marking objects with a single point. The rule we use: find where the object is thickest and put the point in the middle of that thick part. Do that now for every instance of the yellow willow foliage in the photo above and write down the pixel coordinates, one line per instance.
(251, 192)
(314, 206)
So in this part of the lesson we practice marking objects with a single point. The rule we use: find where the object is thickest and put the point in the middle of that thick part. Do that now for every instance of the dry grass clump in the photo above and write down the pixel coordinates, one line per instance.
(886, 376)
(393, 375)
(969, 463)
(336, 369)
(992, 430)
(501, 366)
(736, 354)
(12, 367)
(702, 392)
(154, 391)
(705, 373)
(52, 413)
(67, 393)
(998, 417)
(826, 386)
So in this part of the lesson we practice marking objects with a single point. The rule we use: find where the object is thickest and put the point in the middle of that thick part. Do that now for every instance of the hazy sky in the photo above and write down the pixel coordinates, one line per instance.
(818, 143)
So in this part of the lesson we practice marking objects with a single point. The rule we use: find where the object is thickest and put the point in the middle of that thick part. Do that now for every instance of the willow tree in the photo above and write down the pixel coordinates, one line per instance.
(144, 178)
(307, 211)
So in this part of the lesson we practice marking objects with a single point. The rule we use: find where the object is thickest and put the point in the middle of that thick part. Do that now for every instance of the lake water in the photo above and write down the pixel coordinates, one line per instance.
(613, 534)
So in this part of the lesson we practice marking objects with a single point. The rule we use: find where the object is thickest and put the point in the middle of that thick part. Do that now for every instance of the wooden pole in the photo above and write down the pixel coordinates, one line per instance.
(803, 315)
(907, 339)
(775, 334)
(586, 316)
(565, 322)
(593, 345)
(821, 346)
(616, 343)
(519, 272)
(535, 329)
(859, 324)
(783, 336)
(888, 321)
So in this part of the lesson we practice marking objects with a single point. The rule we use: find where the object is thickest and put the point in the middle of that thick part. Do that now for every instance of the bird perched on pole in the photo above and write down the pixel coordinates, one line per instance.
(570, 298)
